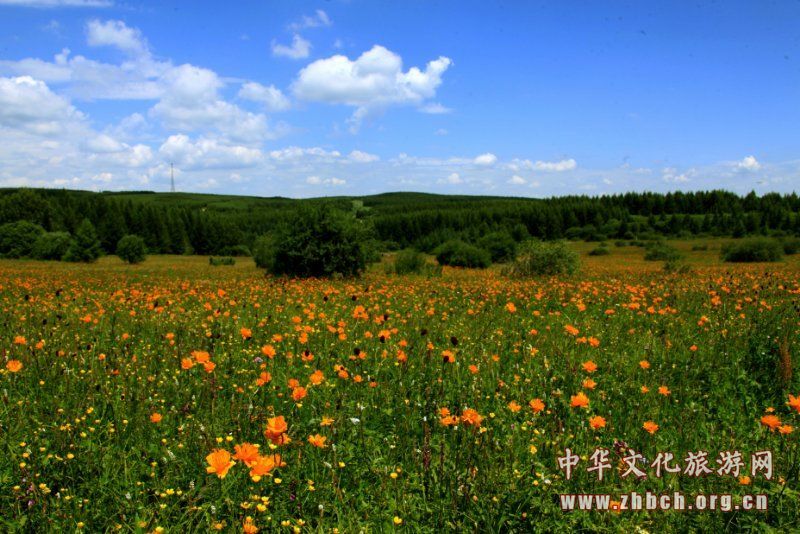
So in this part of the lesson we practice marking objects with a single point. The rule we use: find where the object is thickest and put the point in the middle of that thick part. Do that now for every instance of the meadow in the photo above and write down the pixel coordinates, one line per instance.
(176, 396)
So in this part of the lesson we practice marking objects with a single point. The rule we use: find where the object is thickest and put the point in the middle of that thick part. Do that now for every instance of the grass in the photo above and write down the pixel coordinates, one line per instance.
(108, 424)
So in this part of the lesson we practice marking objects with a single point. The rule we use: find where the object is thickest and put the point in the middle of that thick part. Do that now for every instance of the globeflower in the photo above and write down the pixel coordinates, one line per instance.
(471, 417)
(14, 366)
(247, 453)
(579, 401)
(276, 430)
(597, 422)
(794, 402)
(318, 440)
(650, 426)
(771, 421)
(219, 462)
(537, 405)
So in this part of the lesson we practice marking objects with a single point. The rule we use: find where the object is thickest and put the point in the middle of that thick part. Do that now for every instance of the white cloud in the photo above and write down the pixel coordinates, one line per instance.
(208, 153)
(320, 18)
(297, 153)
(556, 166)
(269, 96)
(452, 179)
(316, 180)
(299, 49)
(362, 157)
(517, 180)
(749, 163)
(486, 159)
(29, 105)
(434, 108)
(117, 34)
(370, 83)
(57, 3)
(671, 174)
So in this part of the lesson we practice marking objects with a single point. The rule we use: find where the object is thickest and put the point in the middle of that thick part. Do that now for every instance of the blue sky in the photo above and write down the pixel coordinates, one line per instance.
(350, 97)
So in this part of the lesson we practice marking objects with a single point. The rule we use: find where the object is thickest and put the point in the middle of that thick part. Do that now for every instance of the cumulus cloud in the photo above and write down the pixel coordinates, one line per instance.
(318, 19)
(671, 174)
(117, 34)
(517, 180)
(370, 83)
(299, 49)
(452, 179)
(316, 180)
(486, 159)
(556, 166)
(749, 163)
(208, 153)
(269, 96)
(29, 105)
(362, 157)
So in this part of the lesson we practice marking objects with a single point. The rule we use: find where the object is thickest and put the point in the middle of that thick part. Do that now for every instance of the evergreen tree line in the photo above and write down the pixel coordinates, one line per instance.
(171, 226)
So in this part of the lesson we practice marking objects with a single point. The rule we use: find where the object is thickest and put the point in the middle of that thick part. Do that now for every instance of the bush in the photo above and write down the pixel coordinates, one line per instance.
(500, 245)
(791, 246)
(131, 248)
(537, 258)
(408, 261)
(263, 252)
(85, 247)
(456, 253)
(51, 246)
(602, 250)
(676, 267)
(752, 250)
(223, 260)
(17, 238)
(660, 251)
(320, 241)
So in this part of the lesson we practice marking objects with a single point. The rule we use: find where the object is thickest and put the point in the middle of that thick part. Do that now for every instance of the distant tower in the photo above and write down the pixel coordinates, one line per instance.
(172, 177)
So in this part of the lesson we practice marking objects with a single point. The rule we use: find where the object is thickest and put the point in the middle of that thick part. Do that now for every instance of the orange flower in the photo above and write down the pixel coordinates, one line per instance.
(514, 407)
(644, 364)
(579, 401)
(794, 402)
(14, 366)
(299, 393)
(650, 426)
(537, 405)
(262, 466)
(276, 430)
(209, 366)
(318, 440)
(785, 429)
(201, 356)
(511, 308)
(268, 351)
(693, 348)
(326, 421)
(20, 340)
(246, 333)
(247, 453)
(597, 422)
(473, 369)
(448, 356)
(589, 367)
(317, 377)
(644, 389)
(589, 383)
(249, 527)
(664, 390)
(187, 363)
(471, 417)
(744, 480)
(771, 421)
(155, 418)
(219, 462)
(571, 330)
(264, 378)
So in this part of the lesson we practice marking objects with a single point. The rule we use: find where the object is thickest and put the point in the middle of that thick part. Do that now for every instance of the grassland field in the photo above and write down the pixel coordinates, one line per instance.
(175, 396)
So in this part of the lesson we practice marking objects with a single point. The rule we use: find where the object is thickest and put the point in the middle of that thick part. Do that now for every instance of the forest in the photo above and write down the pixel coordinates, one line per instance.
(184, 223)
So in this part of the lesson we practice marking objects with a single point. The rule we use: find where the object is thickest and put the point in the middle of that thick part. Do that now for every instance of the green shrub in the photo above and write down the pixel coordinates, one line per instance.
(222, 260)
(263, 251)
(791, 246)
(500, 245)
(660, 251)
(17, 238)
(85, 247)
(602, 250)
(320, 241)
(408, 261)
(752, 250)
(676, 267)
(537, 258)
(131, 248)
(456, 253)
(51, 246)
